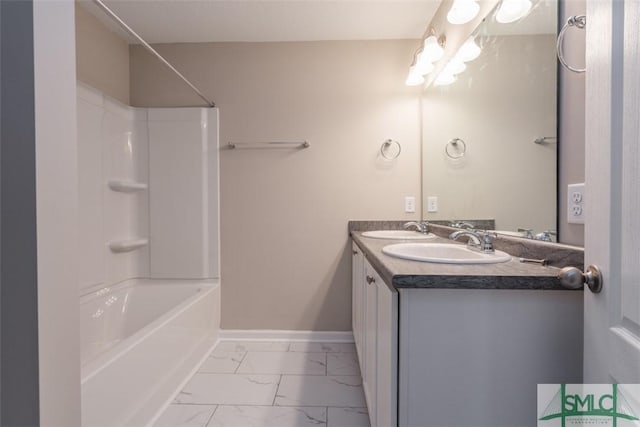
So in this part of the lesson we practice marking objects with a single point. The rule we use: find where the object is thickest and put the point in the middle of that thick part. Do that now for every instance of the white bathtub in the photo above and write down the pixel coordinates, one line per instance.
(140, 340)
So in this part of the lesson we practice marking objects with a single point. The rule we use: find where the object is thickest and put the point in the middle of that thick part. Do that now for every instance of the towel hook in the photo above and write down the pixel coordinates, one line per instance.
(578, 21)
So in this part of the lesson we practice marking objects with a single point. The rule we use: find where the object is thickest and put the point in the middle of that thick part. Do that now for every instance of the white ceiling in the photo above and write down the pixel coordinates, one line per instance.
(173, 21)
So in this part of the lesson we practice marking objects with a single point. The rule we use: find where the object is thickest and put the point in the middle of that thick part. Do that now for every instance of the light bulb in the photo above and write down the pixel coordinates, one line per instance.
(414, 78)
(454, 67)
(431, 49)
(512, 10)
(463, 11)
(423, 64)
(468, 51)
(444, 79)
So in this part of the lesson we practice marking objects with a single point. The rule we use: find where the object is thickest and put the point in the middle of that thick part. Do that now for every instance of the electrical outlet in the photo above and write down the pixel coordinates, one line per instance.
(409, 204)
(432, 204)
(575, 204)
(576, 196)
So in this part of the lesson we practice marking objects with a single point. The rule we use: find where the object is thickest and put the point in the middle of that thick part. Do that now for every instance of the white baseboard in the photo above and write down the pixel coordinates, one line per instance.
(280, 335)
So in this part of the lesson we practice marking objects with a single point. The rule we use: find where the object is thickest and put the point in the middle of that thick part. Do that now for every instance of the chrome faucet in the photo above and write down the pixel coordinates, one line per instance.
(423, 227)
(480, 241)
(527, 232)
(545, 236)
(462, 224)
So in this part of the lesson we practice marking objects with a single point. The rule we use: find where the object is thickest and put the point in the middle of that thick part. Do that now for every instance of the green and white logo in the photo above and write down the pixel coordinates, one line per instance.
(563, 405)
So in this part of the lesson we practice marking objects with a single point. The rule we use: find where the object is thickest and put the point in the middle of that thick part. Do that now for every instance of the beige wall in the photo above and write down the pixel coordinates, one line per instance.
(285, 250)
(572, 123)
(499, 106)
(102, 57)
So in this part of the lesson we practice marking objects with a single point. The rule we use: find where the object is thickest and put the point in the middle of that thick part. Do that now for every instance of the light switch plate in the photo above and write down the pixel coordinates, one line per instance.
(432, 204)
(409, 204)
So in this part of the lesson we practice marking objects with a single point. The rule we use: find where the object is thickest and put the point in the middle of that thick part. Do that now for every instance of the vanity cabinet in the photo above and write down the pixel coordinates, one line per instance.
(375, 330)
(463, 357)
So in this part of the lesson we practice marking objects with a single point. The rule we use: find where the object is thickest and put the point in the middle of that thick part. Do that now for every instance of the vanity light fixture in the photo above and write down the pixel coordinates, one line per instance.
(512, 10)
(444, 79)
(414, 78)
(468, 51)
(432, 49)
(449, 72)
(454, 67)
(463, 11)
(423, 64)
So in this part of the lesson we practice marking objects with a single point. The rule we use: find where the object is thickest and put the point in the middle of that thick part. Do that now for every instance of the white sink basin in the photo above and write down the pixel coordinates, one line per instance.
(397, 234)
(447, 253)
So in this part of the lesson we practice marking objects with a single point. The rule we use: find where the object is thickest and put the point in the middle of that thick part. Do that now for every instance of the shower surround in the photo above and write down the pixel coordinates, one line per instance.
(149, 264)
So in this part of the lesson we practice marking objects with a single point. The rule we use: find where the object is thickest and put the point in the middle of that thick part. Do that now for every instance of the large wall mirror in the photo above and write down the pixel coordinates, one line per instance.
(489, 138)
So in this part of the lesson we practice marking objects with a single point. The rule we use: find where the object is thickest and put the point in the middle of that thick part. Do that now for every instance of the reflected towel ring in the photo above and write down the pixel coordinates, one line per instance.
(452, 149)
(578, 21)
(387, 151)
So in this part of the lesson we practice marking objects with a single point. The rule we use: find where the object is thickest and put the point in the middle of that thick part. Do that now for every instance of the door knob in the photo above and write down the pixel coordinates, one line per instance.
(573, 278)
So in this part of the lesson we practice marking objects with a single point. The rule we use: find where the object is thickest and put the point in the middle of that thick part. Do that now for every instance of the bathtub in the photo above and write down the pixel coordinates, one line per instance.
(140, 341)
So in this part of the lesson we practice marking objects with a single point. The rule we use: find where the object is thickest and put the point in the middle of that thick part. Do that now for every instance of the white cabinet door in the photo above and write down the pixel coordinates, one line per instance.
(369, 373)
(380, 374)
(387, 357)
(375, 330)
(357, 303)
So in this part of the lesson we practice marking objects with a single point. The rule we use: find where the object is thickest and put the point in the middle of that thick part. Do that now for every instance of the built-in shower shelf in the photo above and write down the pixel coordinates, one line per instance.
(124, 186)
(127, 245)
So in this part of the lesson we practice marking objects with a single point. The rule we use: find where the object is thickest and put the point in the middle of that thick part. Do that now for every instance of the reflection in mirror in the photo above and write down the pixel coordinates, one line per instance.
(489, 138)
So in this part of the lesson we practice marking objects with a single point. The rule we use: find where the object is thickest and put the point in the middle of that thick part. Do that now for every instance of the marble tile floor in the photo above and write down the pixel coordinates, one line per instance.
(272, 384)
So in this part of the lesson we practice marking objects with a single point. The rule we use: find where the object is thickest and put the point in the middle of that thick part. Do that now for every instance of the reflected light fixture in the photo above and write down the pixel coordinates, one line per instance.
(423, 65)
(432, 51)
(463, 11)
(512, 10)
(444, 79)
(414, 78)
(468, 51)
(454, 67)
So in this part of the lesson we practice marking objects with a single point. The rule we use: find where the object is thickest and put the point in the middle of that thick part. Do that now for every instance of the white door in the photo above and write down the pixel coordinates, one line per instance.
(612, 230)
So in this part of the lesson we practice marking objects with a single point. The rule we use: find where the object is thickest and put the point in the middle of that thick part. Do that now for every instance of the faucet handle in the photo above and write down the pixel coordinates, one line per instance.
(462, 224)
(545, 235)
(528, 232)
(488, 236)
(487, 241)
(423, 227)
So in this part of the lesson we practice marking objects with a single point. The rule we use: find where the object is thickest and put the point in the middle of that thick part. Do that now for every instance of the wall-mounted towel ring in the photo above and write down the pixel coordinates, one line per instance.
(455, 149)
(390, 149)
(578, 21)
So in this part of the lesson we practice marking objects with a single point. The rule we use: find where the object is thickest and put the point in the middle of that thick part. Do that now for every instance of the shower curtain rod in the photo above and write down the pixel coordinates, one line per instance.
(112, 14)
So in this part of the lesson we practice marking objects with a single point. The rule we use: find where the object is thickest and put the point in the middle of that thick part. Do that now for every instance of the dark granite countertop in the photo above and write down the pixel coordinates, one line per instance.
(399, 273)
